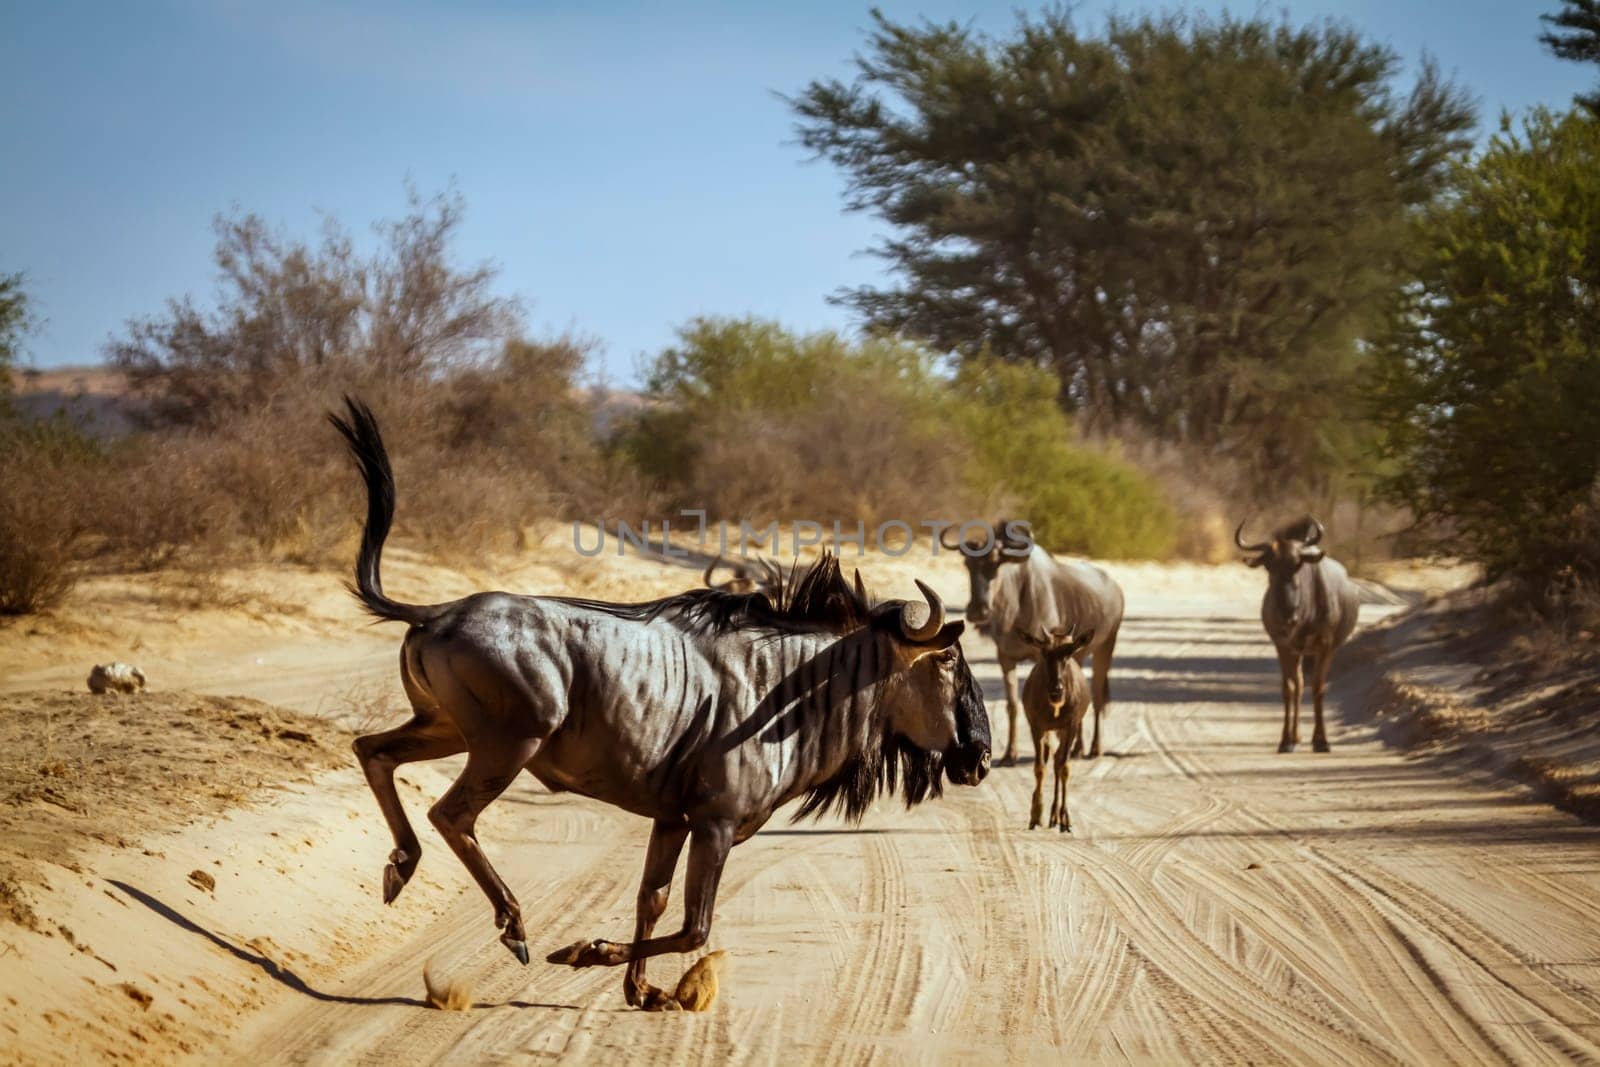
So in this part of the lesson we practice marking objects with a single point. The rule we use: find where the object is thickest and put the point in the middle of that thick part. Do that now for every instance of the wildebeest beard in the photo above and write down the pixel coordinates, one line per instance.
(891, 762)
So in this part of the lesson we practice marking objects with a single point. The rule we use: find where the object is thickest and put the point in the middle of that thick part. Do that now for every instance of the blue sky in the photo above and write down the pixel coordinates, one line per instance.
(626, 165)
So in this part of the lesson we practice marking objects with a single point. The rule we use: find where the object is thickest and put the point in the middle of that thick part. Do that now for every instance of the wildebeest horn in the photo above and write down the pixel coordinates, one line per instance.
(944, 537)
(710, 570)
(1315, 533)
(935, 621)
(1238, 539)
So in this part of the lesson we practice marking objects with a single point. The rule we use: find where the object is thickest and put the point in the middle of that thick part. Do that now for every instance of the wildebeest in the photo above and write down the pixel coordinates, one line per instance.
(1309, 610)
(704, 712)
(1054, 698)
(1018, 590)
(749, 576)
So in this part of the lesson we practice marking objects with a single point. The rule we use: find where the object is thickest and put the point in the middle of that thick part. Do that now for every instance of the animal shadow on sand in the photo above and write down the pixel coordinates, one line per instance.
(286, 977)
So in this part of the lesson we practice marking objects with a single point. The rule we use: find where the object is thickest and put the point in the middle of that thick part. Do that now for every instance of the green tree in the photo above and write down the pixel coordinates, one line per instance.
(1192, 222)
(1489, 376)
(1576, 37)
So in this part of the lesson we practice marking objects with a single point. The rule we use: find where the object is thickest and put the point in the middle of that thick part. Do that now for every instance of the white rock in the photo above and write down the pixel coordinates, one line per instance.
(115, 678)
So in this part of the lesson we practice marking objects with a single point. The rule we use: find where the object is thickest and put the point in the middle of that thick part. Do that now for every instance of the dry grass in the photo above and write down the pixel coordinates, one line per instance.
(77, 768)
(42, 520)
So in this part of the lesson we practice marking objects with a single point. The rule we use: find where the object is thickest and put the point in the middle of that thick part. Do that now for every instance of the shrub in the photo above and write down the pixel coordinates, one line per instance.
(46, 497)
(756, 422)
(752, 421)
(1024, 457)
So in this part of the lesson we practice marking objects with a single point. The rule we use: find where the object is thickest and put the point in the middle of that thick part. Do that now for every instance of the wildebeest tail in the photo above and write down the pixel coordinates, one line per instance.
(360, 431)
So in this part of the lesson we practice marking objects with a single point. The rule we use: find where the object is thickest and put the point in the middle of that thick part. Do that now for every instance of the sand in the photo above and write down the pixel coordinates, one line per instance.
(1217, 901)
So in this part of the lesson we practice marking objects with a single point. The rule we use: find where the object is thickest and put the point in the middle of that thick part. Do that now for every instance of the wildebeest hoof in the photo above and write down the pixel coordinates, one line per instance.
(518, 948)
(585, 954)
(1286, 746)
(1321, 746)
(658, 1000)
(397, 874)
(1008, 760)
(1066, 827)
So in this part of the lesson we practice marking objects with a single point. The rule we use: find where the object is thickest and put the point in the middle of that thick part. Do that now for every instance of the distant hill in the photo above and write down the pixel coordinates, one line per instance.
(98, 397)
(95, 396)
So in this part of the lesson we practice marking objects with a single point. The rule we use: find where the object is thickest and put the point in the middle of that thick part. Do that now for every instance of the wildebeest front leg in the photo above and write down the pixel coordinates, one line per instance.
(660, 860)
(1036, 812)
(708, 851)
(1008, 673)
(1318, 671)
(1063, 817)
(490, 769)
(1289, 665)
(379, 755)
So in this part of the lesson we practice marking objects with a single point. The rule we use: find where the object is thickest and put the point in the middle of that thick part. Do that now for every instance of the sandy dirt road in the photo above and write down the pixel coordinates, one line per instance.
(1218, 902)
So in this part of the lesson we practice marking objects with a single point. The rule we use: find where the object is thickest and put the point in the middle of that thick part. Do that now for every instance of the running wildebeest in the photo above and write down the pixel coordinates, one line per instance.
(704, 712)
(749, 576)
(1017, 590)
(1309, 610)
(1054, 698)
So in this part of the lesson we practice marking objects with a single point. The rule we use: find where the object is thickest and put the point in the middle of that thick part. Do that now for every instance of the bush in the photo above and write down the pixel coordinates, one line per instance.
(751, 421)
(1023, 457)
(46, 496)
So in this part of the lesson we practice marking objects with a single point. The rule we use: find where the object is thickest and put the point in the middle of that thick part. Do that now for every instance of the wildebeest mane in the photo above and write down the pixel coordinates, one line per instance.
(892, 762)
(815, 599)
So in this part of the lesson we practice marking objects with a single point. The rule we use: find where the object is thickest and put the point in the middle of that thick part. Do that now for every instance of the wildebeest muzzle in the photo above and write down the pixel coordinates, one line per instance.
(967, 764)
(967, 761)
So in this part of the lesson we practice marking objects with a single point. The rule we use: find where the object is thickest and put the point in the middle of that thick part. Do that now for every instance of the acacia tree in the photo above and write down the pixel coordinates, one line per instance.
(1489, 374)
(1192, 222)
(286, 308)
(1575, 36)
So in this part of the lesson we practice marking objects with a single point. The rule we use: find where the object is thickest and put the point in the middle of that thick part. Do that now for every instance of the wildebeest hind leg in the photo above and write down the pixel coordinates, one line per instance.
(490, 769)
(660, 860)
(708, 851)
(1100, 691)
(379, 754)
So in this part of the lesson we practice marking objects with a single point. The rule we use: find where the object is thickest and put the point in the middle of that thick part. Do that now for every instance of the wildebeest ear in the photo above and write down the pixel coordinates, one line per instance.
(948, 635)
(1082, 639)
(1256, 561)
(1310, 555)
